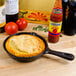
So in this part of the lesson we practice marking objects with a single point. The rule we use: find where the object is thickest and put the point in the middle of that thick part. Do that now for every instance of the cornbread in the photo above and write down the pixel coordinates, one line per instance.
(25, 45)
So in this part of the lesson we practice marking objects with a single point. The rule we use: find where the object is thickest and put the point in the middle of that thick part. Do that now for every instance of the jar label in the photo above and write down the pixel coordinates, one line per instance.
(54, 28)
(2, 16)
(12, 7)
(57, 11)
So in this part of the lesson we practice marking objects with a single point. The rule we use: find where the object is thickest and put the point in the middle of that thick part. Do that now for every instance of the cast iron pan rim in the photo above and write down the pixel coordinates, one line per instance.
(31, 33)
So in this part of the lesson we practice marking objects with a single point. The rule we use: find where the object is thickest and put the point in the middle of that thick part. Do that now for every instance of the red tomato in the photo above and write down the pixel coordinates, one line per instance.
(22, 23)
(11, 28)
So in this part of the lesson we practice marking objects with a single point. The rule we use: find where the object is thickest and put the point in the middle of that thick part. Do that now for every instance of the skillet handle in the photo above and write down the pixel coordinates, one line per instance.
(67, 56)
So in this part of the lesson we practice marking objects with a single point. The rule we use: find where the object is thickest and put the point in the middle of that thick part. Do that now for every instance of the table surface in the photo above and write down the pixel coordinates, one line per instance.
(47, 65)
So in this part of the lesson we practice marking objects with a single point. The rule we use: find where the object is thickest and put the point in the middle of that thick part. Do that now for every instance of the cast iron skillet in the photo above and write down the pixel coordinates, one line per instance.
(46, 50)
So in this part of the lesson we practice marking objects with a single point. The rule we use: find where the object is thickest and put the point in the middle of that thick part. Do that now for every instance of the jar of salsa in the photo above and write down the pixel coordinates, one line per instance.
(55, 22)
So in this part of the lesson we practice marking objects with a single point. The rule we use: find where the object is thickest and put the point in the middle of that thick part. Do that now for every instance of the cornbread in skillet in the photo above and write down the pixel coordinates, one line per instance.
(25, 45)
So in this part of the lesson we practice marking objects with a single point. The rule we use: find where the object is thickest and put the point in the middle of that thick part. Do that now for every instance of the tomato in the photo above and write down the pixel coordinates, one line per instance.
(11, 28)
(22, 23)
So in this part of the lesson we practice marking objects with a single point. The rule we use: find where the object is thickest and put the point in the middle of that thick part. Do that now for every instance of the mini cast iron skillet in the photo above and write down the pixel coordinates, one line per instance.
(46, 50)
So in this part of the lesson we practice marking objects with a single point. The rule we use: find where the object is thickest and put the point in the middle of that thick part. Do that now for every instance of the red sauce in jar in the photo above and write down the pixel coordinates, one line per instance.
(55, 22)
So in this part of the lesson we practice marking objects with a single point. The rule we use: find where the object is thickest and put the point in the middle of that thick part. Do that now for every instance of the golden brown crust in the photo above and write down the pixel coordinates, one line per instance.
(25, 45)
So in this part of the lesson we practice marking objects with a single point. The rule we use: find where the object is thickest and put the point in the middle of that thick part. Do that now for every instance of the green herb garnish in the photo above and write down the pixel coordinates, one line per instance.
(34, 28)
(40, 28)
(46, 29)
